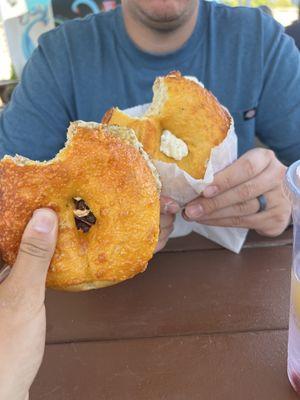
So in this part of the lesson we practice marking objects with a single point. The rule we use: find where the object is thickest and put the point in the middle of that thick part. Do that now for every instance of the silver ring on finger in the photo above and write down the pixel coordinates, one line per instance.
(262, 203)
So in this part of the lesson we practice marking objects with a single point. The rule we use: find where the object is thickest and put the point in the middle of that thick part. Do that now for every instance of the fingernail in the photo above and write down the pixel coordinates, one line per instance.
(194, 211)
(171, 208)
(42, 221)
(210, 191)
(184, 216)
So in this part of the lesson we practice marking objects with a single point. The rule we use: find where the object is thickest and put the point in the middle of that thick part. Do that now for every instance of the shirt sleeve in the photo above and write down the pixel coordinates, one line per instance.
(35, 121)
(278, 113)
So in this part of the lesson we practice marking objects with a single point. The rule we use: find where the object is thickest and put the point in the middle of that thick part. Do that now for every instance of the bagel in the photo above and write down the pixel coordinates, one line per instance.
(184, 109)
(105, 191)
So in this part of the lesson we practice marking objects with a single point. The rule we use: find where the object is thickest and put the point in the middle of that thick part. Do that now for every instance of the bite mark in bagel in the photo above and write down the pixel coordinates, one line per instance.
(108, 170)
(187, 110)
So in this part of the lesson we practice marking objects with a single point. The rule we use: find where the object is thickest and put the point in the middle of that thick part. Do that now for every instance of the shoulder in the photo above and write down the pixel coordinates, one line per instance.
(79, 30)
(247, 31)
(242, 21)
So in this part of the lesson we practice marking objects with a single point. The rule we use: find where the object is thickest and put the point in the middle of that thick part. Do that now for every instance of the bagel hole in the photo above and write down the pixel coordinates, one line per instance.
(84, 218)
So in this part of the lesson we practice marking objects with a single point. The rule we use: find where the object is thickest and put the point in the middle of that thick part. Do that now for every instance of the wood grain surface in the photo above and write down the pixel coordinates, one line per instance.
(200, 323)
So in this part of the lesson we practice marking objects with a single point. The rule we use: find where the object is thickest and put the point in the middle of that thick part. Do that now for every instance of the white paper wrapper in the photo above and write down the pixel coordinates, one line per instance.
(183, 188)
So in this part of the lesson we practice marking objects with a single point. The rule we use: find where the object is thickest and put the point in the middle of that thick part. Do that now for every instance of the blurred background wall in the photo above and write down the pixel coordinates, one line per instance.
(23, 21)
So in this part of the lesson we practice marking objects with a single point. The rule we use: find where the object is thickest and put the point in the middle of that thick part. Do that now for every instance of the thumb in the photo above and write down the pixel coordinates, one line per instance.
(36, 250)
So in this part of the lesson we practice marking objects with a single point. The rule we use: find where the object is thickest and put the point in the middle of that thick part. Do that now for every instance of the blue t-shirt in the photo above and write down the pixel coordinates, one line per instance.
(86, 66)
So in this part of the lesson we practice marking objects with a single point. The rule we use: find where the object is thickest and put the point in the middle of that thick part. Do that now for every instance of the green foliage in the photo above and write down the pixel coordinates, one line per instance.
(13, 75)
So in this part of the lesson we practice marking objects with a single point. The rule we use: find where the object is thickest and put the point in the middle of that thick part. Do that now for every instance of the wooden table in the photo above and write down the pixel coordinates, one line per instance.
(200, 323)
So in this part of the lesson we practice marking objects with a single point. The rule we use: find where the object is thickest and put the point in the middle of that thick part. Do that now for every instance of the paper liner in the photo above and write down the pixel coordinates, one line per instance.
(183, 188)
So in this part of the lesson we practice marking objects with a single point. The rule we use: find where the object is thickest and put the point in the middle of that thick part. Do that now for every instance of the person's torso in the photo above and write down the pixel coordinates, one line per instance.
(224, 53)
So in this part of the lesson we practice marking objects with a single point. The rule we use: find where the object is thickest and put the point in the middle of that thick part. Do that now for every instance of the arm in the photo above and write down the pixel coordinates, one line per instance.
(232, 198)
(35, 121)
(278, 113)
(22, 310)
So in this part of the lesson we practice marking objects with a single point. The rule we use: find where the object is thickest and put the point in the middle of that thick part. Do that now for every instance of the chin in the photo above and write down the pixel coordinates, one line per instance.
(164, 10)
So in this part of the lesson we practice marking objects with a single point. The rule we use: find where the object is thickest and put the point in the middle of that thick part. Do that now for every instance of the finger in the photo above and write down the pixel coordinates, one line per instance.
(166, 220)
(271, 222)
(168, 205)
(166, 232)
(160, 245)
(266, 181)
(245, 168)
(163, 239)
(244, 208)
(36, 250)
(246, 221)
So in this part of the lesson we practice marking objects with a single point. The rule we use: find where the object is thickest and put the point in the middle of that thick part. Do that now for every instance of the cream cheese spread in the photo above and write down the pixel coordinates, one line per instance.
(172, 146)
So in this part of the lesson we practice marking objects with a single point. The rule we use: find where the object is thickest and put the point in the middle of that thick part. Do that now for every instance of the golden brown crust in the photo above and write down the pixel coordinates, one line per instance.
(147, 129)
(107, 116)
(114, 180)
(187, 110)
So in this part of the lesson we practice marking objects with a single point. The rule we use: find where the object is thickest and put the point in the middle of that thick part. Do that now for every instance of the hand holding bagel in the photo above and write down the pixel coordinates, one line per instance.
(105, 188)
(246, 194)
(233, 197)
(168, 210)
(22, 310)
(105, 191)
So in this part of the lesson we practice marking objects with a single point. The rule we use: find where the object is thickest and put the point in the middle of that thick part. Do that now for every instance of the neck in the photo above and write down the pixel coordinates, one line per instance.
(154, 40)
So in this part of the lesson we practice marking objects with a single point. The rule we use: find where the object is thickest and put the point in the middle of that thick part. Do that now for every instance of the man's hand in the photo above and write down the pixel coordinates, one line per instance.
(168, 209)
(22, 310)
(231, 200)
